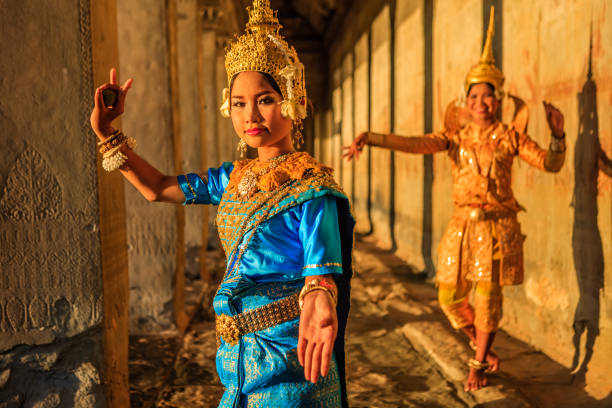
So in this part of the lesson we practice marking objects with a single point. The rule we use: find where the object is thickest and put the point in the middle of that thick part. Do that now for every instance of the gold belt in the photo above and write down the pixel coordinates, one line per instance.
(477, 213)
(231, 328)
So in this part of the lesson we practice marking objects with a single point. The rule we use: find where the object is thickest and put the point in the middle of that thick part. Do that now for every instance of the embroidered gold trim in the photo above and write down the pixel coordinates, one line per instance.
(231, 328)
(322, 265)
(191, 188)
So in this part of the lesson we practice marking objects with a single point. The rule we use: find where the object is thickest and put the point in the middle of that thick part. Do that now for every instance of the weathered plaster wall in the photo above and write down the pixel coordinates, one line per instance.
(568, 223)
(50, 266)
(563, 307)
(143, 54)
(187, 56)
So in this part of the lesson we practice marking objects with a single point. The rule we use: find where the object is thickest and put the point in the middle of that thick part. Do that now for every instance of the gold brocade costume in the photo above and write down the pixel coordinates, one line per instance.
(482, 247)
(276, 191)
(481, 165)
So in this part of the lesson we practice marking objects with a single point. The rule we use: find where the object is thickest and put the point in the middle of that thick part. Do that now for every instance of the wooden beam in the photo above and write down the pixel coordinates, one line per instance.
(181, 318)
(113, 235)
(204, 272)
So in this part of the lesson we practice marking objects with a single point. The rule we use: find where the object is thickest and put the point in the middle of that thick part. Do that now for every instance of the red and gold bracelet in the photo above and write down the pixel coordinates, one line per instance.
(318, 284)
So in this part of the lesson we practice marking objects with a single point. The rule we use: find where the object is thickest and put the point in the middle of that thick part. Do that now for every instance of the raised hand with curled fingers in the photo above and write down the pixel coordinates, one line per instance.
(555, 119)
(102, 116)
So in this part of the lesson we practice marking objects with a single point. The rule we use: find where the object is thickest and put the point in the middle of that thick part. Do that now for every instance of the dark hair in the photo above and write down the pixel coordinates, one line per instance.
(488, 83)
(268, 79)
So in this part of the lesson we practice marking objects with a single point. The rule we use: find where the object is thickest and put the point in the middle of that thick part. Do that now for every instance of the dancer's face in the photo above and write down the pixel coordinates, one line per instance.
(256, 111)
(481, 103)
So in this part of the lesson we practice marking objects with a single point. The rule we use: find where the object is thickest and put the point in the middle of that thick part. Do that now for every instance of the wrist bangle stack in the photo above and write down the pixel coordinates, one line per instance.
(318, 284)
(557, 144)
(113, 157)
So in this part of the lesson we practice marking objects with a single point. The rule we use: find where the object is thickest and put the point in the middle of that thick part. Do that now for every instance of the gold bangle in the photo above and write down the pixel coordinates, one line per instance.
(110, 138)
(115, 140)
(313, 285)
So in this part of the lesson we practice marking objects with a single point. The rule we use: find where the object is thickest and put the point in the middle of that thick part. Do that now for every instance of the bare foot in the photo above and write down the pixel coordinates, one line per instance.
(476, 380)
(491, 357)
(493, 361)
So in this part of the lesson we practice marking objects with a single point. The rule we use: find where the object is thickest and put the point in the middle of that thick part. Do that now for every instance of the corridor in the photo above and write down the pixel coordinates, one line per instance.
(401, 353)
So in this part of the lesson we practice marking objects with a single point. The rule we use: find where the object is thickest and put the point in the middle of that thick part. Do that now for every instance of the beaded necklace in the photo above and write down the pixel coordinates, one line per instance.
(248, 182)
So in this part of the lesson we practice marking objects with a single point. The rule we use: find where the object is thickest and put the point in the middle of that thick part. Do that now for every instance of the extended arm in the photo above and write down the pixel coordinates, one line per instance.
(320, 236)
(427, 144)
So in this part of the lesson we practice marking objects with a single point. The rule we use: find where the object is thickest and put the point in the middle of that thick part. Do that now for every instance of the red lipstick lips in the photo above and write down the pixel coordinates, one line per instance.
(254, 131)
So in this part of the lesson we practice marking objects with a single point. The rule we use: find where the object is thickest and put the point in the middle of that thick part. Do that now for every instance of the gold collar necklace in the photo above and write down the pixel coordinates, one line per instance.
(248, 182)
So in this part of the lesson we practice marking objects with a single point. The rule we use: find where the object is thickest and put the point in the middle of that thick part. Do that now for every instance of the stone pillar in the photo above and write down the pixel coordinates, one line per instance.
(409, 85)
(380, 84)
(346, 131)
(207, 64)
(62, 233)
(152, 227)
(226, 136)
(362, 104)
(335, 136)
(187, 65)
(450, 65)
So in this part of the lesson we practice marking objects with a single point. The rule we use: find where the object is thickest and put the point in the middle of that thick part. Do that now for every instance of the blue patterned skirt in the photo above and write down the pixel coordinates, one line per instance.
(262, 370)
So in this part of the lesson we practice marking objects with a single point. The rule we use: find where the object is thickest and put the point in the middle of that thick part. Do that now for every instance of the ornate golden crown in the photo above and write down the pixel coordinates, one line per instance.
(261, 48)
(485, 70)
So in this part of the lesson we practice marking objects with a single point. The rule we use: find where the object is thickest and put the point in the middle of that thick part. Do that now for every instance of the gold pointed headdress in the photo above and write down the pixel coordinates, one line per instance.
(485, 70)
(261, 48)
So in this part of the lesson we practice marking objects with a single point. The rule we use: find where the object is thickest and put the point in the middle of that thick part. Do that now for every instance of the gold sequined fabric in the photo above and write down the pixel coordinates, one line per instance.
(481, 167)
(486, 312)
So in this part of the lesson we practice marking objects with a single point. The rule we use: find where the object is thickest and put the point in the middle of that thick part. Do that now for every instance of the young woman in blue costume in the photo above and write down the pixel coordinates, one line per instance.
(284, 223)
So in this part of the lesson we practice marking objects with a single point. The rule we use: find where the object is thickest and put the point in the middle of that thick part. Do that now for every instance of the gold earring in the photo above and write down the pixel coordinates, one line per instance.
(297, 138)
(242, 148)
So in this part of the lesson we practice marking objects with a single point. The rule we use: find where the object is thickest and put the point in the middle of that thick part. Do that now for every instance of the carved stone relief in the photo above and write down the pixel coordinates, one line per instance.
(46, 259)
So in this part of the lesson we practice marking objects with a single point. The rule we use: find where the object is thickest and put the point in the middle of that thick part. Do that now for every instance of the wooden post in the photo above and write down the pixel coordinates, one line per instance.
(113, 238)
(181, 318)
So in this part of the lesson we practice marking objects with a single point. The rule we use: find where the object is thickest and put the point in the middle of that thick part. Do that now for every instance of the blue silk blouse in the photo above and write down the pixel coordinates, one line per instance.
(288, 246)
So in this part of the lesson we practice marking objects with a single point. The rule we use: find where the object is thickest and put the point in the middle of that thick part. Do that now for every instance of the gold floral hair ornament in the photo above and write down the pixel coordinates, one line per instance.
(485, 70)
(225, 107)
(261, 48)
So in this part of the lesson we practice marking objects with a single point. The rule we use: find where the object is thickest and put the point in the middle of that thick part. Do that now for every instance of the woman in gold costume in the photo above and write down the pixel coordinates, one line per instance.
(482, 248)
(284, 223)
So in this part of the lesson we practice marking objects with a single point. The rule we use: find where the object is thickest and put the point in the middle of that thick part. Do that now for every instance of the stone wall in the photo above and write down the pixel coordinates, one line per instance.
(152, 227)
(51, 288)
(405, 200)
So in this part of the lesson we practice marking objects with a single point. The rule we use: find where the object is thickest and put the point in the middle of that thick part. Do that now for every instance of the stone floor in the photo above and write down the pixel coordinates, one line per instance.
(401, 353)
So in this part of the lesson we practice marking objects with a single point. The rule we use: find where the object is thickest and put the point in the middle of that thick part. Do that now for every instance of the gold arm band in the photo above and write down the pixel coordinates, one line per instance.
(555, 157)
